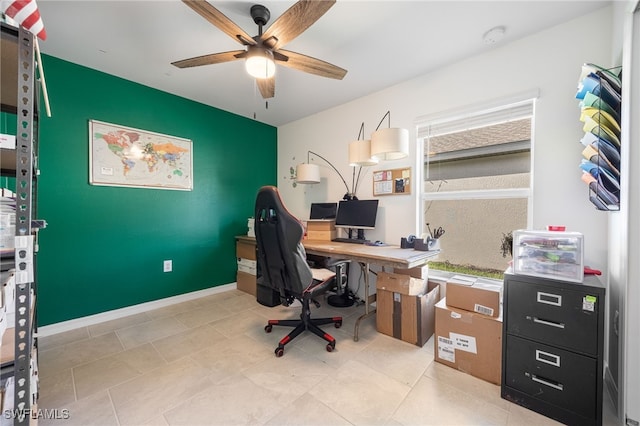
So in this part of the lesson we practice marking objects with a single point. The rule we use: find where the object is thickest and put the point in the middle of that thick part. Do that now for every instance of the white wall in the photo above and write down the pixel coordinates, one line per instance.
(549, 61)
(630, 381)
(618, 242)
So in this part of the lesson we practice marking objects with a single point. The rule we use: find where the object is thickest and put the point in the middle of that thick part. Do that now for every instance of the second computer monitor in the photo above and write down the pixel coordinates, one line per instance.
(359, 214)
(323, 211)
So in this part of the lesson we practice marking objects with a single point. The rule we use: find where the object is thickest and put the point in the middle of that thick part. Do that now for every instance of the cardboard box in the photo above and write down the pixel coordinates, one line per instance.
(399, 283)
(468, 342)
(321, 225)
(417, 272)
(322, 235)
(248, 266)
(246, 249)
(409, 318)
(246, 282)
(483, 297)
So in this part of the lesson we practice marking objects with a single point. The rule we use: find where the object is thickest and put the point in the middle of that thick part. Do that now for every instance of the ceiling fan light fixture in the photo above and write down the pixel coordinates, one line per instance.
(259, 62)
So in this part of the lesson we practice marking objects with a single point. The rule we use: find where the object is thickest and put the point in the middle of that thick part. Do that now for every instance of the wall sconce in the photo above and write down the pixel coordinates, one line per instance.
(310, 174)
(390, 143)
(360, 151)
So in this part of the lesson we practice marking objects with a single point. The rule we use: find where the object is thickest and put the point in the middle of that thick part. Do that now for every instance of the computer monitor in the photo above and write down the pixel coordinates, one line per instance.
(359, 214)
(322, 211)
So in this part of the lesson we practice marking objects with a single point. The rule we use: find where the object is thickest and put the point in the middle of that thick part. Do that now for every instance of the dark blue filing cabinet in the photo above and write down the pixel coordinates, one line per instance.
(552, 347)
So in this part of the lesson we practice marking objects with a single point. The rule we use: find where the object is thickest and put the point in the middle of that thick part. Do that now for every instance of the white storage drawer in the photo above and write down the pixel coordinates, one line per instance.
(549, 254)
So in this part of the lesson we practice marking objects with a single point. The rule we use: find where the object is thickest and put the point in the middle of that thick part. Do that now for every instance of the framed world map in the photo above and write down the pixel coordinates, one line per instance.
(124, 156)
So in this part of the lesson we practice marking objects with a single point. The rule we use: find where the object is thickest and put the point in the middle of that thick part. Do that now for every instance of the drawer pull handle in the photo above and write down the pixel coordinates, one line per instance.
(549, 298)
(548, 358)
(547, 382)
(549, 323)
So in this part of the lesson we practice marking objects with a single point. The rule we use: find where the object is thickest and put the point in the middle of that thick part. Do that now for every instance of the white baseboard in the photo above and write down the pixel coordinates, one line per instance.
(60, 327)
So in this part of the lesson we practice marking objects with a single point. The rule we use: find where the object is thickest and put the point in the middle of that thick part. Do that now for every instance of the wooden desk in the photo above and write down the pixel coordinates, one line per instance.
(389, 255)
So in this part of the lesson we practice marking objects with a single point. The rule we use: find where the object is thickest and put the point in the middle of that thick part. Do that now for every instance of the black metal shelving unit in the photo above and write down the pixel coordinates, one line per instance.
(19, 96)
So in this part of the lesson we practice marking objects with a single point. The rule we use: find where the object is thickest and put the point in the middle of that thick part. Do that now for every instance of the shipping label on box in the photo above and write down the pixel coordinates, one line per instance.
(247, 266)
(399, 283)
(483, 297)
(7, 141)
(468, 342)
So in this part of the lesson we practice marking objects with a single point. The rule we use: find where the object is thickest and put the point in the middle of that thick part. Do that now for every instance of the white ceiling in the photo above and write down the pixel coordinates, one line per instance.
(380, 43)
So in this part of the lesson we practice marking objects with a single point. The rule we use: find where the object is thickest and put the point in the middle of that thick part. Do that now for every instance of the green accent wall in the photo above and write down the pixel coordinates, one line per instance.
(104, 247)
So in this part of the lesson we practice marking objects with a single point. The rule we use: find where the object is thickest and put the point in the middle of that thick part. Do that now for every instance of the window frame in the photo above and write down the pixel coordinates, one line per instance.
(423, 125)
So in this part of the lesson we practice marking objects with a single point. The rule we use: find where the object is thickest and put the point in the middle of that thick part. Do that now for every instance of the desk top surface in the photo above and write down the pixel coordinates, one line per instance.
(388, 255)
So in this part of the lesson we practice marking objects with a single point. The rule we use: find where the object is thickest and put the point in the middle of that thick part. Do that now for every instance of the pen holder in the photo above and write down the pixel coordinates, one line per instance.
(433, 244)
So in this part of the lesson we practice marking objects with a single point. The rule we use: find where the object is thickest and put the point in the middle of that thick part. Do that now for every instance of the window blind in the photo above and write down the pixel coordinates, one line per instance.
(475, 119)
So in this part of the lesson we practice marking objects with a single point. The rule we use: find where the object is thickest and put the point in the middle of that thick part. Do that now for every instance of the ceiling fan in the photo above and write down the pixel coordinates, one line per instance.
(263, 51)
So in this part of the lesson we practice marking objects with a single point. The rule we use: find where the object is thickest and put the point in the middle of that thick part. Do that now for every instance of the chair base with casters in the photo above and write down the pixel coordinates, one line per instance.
(305, 323)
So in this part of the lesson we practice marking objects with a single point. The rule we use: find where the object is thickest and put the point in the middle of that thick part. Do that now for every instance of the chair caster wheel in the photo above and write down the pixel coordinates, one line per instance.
(331, 347)
(279, 352)
(338, 324)
(268, 328)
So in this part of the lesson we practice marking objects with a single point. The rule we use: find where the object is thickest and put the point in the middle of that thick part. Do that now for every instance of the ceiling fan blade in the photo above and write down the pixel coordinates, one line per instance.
(267, 87)
(311, 65)
(294, 21)
(214, 58)
(219, 19)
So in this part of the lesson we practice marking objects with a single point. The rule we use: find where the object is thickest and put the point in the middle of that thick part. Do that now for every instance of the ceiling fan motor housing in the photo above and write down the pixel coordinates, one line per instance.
(260, 14)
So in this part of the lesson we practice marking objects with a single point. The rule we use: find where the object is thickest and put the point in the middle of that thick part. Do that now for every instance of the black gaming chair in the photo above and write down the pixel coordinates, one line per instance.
(283, 265)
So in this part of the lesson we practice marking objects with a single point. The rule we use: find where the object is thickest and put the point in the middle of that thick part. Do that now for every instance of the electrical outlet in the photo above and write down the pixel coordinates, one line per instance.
(167, 266)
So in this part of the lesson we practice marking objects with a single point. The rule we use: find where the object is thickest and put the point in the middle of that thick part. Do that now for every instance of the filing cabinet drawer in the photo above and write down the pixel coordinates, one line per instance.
(558, 377)
(556, 315)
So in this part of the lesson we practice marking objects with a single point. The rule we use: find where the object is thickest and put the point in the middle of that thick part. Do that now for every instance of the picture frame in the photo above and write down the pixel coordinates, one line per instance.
(129, 157)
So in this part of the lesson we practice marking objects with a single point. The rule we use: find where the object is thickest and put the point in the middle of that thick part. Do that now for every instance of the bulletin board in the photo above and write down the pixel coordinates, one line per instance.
(392, 182)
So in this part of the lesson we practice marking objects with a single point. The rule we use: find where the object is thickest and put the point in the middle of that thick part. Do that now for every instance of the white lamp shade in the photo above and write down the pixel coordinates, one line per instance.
(360, 153)
(390, 144)
(308, 173)
(259, 63)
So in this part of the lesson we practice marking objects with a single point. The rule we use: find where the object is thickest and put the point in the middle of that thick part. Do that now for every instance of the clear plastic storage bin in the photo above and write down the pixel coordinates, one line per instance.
(549, 254)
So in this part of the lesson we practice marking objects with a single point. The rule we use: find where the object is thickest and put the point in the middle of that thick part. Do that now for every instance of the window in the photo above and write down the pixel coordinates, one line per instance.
(476, 184)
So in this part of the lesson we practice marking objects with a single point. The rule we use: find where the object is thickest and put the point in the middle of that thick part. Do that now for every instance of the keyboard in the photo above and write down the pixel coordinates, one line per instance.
(349, 240)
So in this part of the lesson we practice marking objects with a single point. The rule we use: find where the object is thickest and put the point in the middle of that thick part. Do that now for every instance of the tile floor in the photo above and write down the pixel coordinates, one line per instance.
(209, 362)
